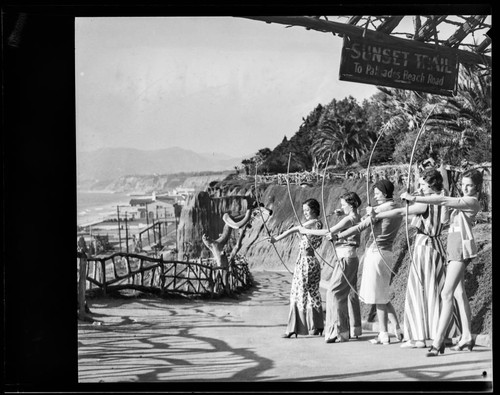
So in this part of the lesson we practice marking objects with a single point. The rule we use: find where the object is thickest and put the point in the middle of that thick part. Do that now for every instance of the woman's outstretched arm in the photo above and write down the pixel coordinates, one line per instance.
(415, 209)
(460, 203)
(344, 222)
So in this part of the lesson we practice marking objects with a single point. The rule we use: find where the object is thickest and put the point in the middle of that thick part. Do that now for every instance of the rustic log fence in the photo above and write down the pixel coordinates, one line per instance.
(295, 178)
(121, 271)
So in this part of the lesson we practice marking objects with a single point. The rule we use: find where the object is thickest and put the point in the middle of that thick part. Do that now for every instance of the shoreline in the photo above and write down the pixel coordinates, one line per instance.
(107, 191)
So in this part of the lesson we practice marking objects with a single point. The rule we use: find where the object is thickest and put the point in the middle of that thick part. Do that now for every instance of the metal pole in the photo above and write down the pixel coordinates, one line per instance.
(119, 231)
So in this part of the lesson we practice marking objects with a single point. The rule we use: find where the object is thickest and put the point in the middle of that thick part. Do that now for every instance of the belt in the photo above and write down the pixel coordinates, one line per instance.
(346, 251)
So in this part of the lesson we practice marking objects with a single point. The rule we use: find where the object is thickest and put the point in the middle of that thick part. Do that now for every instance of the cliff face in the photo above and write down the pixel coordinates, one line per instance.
(204, 213)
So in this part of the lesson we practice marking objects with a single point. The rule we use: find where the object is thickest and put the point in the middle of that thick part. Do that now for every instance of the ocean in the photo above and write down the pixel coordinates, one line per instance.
(92, 207)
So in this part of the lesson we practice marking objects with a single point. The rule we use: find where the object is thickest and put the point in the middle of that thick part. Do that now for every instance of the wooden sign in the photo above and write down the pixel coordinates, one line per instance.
(419, 69)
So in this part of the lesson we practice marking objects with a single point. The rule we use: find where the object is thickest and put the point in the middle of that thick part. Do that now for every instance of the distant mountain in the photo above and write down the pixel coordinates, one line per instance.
(111, 163)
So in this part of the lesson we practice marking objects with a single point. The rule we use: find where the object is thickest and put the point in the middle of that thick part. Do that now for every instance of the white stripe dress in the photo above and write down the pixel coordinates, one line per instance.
(426, 280)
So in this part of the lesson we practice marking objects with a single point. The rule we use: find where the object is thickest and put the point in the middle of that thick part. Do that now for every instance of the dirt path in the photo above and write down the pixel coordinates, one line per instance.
(155, 340)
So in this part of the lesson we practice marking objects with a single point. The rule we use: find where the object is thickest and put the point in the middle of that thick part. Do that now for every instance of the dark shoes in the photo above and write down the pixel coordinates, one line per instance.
(398, 333)
(341, 338)
(460, 347)
(288, 335)
(433, 351)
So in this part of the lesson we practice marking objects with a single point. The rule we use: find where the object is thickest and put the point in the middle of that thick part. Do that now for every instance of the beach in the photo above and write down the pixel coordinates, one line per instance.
(94, 207)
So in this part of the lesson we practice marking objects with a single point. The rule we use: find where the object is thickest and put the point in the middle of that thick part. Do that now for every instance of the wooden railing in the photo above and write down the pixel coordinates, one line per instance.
(295, 178)
(154, 275)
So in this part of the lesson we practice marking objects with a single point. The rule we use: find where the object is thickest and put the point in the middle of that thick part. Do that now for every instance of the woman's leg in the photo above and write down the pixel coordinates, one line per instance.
(382, 317)
(391, 314)
(454, 273)
(332, 306)
(464, 309)
(393, 319)
(313, 304)
(353, 302)
(383, 335)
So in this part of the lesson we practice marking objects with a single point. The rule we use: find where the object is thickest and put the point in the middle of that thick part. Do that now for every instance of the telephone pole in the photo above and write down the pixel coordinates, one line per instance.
(165, 221)
(177, 213)
(119, 231)
(90, 244)
(147, 223)
(126, 231)
(159, 227)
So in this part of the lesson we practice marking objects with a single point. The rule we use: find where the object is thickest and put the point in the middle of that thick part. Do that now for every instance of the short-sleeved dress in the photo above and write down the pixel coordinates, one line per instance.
(379, 258)
(306, 311)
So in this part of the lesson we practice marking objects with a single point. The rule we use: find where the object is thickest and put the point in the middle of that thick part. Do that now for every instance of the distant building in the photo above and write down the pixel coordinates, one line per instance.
(181, 199)
(154, 207)
(182, 194)
(184, 191)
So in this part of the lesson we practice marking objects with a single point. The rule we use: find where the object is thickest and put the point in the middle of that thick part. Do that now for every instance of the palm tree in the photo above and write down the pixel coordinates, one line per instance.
(344, 140)
(458, 124)
(464, 121)
(342, 134)
(406, 111)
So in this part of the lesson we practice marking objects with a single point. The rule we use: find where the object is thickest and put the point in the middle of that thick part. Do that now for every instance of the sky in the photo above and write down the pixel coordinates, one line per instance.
(208, 84)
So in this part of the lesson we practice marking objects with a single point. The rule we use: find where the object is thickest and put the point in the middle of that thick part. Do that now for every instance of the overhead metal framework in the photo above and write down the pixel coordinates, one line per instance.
(466, 35)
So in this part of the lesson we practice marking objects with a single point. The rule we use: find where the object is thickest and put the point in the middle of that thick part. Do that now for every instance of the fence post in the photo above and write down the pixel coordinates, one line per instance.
(162, 275)
(211, 276)
(81, 285)
(103, 269)
(175, 274)
(198, 275)
(188, 272)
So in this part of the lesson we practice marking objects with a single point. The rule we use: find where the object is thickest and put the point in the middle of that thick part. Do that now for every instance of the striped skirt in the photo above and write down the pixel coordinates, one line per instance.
(425, 282)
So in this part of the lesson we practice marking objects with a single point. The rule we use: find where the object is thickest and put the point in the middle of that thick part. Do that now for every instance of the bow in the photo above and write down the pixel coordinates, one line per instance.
(328, 227)
(408, 190)
(368, 197)
(264, 221)
(293, 207)
(288, 189)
